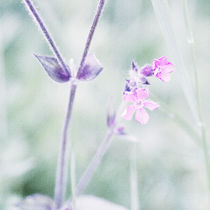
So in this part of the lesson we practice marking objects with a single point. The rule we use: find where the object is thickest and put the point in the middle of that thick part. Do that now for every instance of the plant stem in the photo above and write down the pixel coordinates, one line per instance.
(61, 174)
(134, 178)
(62, 163)
(96, 160)
(179, 120)
(4, 136)
(62, 166)
(201, 123)
(73, 178)
(47, 35)
(92, 166)
(91, 33)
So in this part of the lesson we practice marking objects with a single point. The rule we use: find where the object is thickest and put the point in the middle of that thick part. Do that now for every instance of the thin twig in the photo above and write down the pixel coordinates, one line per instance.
(92, 166)
(61, 174)
(91, 33)
(47, 35)
(62, 164)
(134, 178)
(96, 160)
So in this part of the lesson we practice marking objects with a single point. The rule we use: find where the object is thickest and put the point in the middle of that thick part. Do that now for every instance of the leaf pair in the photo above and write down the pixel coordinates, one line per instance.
(89, 71)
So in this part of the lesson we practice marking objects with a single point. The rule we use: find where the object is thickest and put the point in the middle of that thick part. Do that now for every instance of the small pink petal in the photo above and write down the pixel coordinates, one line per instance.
(142, 93)
(164, 77)
(163, 68)
(167, 68)
(129, 96)
(128, 113)
(151, 105)
(142, 116)
(161, 61)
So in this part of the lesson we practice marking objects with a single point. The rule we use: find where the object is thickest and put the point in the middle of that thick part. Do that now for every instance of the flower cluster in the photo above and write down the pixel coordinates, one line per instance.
(136, 90)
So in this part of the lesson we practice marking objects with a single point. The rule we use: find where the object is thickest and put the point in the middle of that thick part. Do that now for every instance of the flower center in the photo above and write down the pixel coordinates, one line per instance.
(139, 104)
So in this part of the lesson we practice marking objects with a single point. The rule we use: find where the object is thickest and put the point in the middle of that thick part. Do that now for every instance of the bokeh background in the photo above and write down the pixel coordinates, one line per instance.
(171, 169)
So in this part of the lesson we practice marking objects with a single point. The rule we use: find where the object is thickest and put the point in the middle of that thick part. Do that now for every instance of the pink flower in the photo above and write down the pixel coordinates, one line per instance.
(163, 69)
(138, 97)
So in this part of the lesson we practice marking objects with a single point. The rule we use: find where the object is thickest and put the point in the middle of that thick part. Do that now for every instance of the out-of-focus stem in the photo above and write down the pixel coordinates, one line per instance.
(47, 35)
(201, 123)
(134, 178)
(92, 166)
(96, 160)
(3, 103)
(175, 117)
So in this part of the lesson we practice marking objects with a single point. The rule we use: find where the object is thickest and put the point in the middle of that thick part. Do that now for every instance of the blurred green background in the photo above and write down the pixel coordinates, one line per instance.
(171, 170)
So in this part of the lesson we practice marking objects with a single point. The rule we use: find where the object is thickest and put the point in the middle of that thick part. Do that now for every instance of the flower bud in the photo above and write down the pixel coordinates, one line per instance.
(147, 71)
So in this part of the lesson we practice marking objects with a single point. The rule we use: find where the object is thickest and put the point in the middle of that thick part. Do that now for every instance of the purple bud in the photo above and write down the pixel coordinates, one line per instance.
(120, 131)
(110, 121)
(144, 81)
(147, 70)
(134, 66)
(127, 87)
(90, 69)
(111, 114)
(53, 68)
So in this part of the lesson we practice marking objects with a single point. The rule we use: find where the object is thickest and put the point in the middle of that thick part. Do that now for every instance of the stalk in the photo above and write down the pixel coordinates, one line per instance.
(92, 167)
(3, 112)
(134, 178)
(61, 173)
(38, 19)
(191, 92)
(201, 122)
(96, 160)
(62, 166)
(73, 179)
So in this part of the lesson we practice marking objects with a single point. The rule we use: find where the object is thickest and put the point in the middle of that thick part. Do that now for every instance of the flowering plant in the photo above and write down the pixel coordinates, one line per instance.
(136, 90)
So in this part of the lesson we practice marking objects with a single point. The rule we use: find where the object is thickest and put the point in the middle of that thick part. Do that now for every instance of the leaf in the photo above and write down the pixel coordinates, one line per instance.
(54, 69)
(90, 69)
(36, 202)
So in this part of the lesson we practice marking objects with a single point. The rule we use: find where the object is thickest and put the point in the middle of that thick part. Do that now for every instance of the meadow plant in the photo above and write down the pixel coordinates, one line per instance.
(59, 71)
(136, 93)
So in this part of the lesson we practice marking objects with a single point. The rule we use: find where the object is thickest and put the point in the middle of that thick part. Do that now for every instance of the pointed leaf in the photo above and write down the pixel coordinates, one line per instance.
(91, 68)
(53, 68)
(36, 202)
